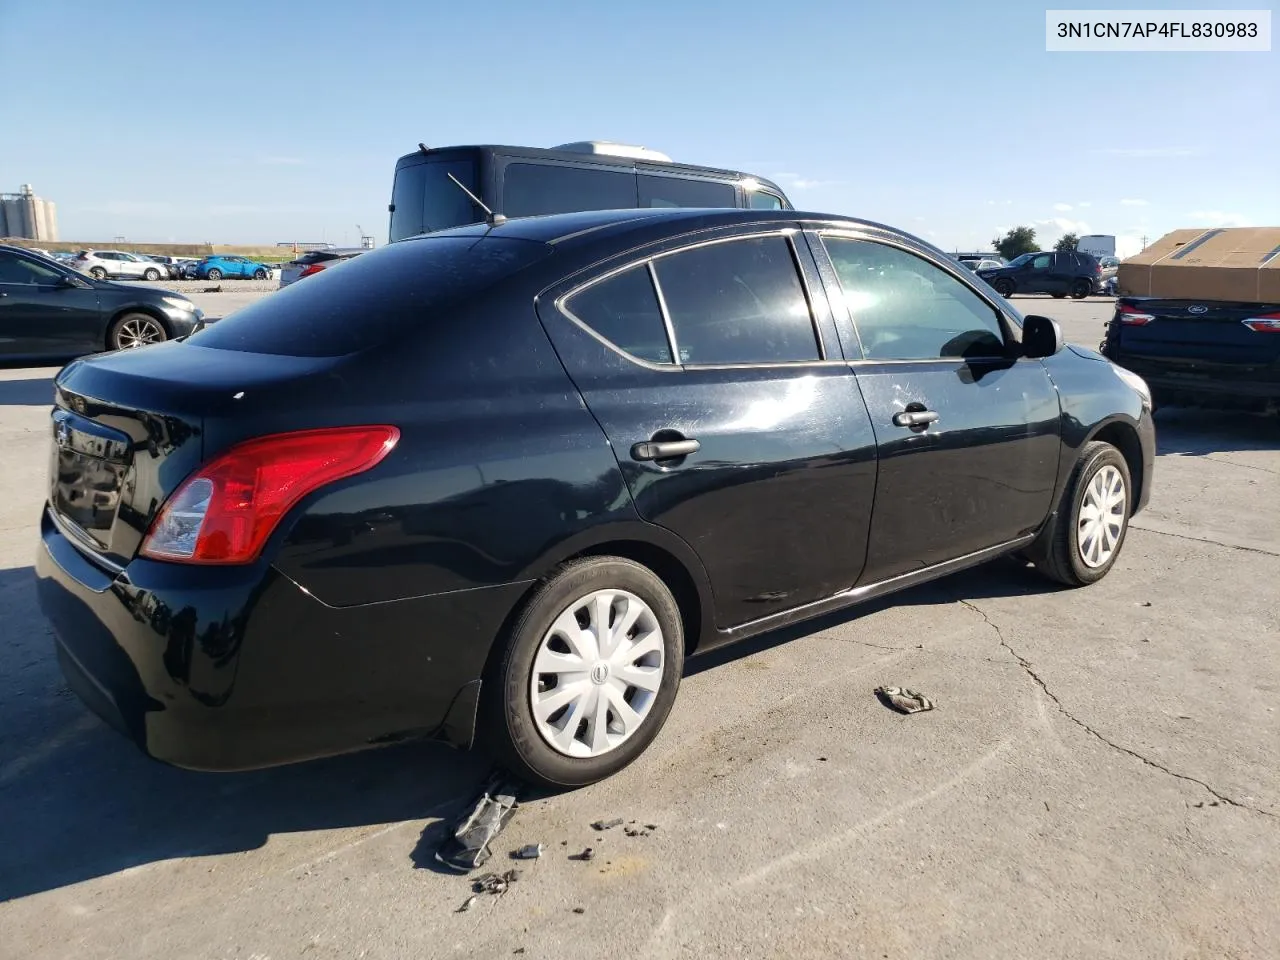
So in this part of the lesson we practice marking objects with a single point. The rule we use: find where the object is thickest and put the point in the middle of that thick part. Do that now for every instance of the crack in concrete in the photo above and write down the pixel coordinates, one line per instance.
(1236, 463)
(1027, 668)
(1216, 543)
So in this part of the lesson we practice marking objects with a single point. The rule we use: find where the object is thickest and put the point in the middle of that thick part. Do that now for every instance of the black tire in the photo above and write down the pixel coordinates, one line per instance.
(1081, 289)
(1057, 553)
(509, 727)
(98, 273)
(1058, 296)
(260, 275)
(215, 274)
(1004, 287)
(127, 330)
(151, 275)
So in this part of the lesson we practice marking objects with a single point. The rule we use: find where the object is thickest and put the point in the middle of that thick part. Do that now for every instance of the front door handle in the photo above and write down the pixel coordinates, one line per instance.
(664, 449)
(914, 418)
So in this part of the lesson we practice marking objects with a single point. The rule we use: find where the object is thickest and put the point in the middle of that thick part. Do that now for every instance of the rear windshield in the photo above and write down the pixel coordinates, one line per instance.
(373, 299)
(425, 199)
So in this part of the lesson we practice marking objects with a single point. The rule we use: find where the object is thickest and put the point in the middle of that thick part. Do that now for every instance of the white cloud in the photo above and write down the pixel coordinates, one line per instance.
(1219, 218)
(999, 203)
(1146, 151)
(1084, 203)
(793, 181)
(1128, 244)
(1062, 207)
(1047, 231)
(1127, 202)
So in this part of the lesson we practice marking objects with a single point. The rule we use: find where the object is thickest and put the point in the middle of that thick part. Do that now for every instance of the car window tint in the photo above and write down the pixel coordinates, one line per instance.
(905, 308)
(762, 200)
(394, 292)
(683, 192)
(14, 269)
(624, 310)
(739, 301)
(1041, 262)
(534, 189)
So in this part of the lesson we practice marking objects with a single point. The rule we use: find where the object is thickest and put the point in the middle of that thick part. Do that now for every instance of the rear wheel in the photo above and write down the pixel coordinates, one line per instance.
(1092, 519)
(260, 274)
(1081, 289)
(1004, 287)
(136, 330)
(98, 273)
(589, 673)
(215, 274)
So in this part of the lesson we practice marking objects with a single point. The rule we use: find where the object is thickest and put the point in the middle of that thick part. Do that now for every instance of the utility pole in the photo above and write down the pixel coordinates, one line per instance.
(1144, 241)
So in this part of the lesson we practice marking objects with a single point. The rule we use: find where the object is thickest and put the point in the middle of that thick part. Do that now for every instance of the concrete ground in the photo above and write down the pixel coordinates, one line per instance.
(1101, 778)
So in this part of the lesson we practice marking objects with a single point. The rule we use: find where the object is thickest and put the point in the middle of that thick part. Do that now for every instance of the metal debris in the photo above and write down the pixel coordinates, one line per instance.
(530, 851)
(467, 904)
(470, 844)
(585, 856)
(579, 909)
(903, 700)
(635, 832)
(495, 883)
(608, 824)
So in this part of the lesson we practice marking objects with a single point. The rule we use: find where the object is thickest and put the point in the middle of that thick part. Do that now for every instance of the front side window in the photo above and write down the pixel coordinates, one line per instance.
(683, 192)
(739, 301)
(906, 308)
(537, 189)
(15, 269)
(624, 310)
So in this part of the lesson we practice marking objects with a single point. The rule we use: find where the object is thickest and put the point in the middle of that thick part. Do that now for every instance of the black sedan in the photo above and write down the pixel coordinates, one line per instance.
(498, 482)
(51, 312)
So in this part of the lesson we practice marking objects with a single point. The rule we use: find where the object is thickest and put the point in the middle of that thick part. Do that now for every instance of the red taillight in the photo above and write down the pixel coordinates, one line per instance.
(226, 510)
(311, 268)
(1132, 316)
(1267, 323)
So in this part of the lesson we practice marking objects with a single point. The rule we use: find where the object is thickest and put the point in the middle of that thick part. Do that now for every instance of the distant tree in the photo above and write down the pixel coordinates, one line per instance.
(1068, 242)
(1016, 242)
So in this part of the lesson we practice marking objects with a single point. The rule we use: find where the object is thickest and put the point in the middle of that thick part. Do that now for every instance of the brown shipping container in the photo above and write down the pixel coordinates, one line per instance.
(1227, 263)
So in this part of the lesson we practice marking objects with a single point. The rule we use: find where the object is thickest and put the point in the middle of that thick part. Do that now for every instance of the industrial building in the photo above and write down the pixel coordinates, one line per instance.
(24, 216)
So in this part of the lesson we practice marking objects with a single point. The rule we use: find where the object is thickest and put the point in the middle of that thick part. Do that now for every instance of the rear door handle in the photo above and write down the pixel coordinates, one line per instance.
(664, 449)
(914, 418)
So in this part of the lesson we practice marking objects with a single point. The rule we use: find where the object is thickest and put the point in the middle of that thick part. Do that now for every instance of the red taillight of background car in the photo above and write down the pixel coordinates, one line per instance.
(1267, 323)
(1133, 317)
(225, 511)
(311, 268)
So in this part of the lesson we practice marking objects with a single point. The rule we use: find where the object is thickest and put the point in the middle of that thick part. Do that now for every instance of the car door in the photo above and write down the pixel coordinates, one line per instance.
(714, 370)
(40, 315)
(967, 431)
(1039, 275)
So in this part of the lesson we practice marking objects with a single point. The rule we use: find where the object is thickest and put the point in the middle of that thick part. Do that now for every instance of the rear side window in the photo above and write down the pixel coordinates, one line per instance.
(425, 199)
(683, 192)
(535, 189)
(739, 301)
(377, 297)
(763, 200)
(624, 310)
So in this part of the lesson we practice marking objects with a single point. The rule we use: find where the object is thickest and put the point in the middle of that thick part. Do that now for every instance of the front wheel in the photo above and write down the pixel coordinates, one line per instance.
(1004, 287)
(98, 273)
(1093, 518)
(151, 275)
(259, 274)
(136, 330)
(589, 674)
(215, 274)
(1081, 289)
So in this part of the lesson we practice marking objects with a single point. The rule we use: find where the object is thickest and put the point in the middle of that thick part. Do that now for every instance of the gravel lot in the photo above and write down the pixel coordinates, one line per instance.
(1101, 778)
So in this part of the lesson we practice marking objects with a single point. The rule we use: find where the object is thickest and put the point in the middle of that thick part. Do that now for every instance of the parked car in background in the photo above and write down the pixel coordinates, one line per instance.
(1109, 267)
(102, 264)
(217, 267)
(1057, 272)
(311, 263)
(171, 264)
(49, 311)
(982, 264)
(742, 452)
(1210, 353)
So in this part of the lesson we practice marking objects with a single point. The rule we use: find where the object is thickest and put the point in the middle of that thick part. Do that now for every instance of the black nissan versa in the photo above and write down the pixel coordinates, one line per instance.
(497, 482)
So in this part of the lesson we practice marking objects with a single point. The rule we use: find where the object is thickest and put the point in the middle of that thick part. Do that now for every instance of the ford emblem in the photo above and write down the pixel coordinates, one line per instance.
(1198, 309)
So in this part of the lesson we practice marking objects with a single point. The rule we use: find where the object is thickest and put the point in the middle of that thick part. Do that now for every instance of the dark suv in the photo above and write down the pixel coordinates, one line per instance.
(498, 482)
(1057, 272)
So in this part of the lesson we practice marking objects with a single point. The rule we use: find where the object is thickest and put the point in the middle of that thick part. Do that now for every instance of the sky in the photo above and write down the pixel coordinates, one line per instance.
(244, 122)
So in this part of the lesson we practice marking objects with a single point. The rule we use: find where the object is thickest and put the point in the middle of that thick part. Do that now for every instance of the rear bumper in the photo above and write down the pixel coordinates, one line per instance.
(233, 669)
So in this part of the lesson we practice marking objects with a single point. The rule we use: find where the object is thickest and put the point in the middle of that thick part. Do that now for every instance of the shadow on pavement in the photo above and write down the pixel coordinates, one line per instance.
(79, 801)
(1190, 431)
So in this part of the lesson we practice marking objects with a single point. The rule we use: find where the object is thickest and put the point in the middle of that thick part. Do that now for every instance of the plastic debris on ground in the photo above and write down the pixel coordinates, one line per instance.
(903, 700)
(607, 824)
(586, 855)
(470, 844)
(495, 883)
(467, 904)
(530, 851)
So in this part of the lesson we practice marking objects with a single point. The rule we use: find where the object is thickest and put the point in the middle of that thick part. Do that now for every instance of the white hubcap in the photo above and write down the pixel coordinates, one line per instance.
(1102, 517)
(596, 673)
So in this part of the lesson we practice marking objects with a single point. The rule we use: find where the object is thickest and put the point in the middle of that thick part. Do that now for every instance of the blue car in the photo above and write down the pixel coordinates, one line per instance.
(215, 268)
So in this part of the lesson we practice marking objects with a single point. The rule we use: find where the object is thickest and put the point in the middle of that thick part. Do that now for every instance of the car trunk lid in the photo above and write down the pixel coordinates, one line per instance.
(129, 427)
(1197, 338)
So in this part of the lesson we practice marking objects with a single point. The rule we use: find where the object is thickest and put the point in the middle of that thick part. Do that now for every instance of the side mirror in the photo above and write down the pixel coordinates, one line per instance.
(66, 283)
(1041, 337)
